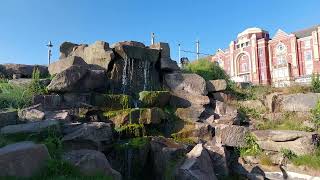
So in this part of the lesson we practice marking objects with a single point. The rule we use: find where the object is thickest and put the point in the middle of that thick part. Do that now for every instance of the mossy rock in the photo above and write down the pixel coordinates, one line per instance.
(136, 115)
(130, 131)
(130, 158)
(154, 98)
(112, 101)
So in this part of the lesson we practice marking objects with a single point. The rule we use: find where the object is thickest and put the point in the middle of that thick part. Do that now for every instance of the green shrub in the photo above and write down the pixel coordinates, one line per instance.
(251, 148)
(315, 83)
(287, 153)
(316, 115)
(36, 87)
(206, 69)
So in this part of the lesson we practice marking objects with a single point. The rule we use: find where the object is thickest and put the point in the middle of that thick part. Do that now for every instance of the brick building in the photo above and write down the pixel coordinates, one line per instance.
(280, 61)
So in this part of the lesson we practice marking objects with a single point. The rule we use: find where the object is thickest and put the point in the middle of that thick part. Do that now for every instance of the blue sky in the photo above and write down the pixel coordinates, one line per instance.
(27, 25)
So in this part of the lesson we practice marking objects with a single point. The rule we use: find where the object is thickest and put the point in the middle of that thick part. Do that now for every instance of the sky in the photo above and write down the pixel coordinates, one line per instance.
(27, 25)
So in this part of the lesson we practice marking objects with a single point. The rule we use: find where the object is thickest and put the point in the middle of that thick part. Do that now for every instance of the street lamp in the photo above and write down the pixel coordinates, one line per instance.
(49, 45)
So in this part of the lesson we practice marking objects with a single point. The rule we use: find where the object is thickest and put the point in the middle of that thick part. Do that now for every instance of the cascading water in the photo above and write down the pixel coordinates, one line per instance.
(146, 72)
(129, 158)
(124, 76)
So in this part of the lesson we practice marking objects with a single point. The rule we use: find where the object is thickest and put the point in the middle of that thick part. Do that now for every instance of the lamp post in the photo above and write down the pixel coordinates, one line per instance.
(198, 48)
(49, 45)
(152, 38)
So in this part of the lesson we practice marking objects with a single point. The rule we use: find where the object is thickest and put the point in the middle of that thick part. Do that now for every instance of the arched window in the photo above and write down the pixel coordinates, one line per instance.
(281, 52)
(243, 63)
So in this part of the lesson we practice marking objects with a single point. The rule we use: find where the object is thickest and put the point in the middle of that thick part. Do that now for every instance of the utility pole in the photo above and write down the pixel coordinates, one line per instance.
(152, 38)
(197, 47)
(179, 47)
(49, 45)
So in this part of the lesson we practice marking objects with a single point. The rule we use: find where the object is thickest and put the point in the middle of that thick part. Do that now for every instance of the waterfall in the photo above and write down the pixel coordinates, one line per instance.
(124, 76)
(129, 158)
(146, 74)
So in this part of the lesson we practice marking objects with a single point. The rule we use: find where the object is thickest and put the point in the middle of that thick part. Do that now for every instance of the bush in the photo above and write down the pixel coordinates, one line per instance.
(287, 153)
(316, 115)
(315, 83)
(36, 87)
(206, 69)
(251, 148)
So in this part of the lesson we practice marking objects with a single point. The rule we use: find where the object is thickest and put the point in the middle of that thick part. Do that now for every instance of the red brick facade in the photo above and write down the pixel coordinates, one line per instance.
(280, 61)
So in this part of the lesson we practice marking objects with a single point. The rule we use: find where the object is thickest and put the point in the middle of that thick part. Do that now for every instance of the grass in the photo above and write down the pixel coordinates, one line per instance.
(310, 160)
(14, 96)
(265, 160)
(288, 121)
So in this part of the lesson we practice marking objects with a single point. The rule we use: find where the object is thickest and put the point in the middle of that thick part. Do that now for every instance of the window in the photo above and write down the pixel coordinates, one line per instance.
(262, 76)
(307, 44)
(238, 46)
(281, 49)
(308, 56)
(262, 63)
(281, 60)
(260, 51)
(244, 67)
(247, 43)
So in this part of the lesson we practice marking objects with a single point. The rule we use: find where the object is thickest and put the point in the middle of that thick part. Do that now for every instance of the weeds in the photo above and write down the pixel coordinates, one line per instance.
(251, 148)
(315, 83)
(288, 121)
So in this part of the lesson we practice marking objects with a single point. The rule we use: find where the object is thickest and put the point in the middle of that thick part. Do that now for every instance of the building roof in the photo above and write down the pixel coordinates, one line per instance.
(306, 32)
(252, 31)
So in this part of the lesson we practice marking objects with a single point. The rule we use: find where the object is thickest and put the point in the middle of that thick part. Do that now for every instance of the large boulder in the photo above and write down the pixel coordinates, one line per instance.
(191, 83)
(253, 104)
(137, 116)
(218, 155)
(231, 135)
(216, 85)
(197, 131)
(30, 114)
(91, 162)
(134, 69)
(23, 159)
(165, 61)
(33, 127)
(165, 157)
(197, 165)
(297, 102)
(94, 135)
(188, 94)
(63, 64)
(8, 117)
(24, 71)
(130, 158)
(79, 79)
(48, 102)
(98, 54)
(298, 142)
(154, 98)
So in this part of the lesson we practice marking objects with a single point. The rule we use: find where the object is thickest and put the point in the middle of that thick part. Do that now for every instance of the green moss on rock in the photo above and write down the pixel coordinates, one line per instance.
(154, 98)
(131, 130)
(112, 101)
